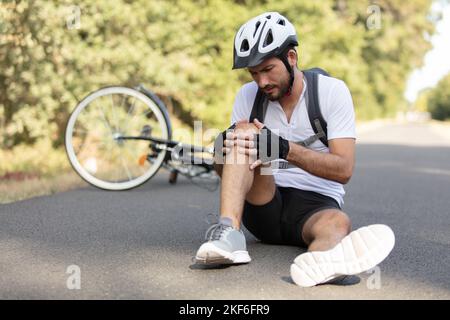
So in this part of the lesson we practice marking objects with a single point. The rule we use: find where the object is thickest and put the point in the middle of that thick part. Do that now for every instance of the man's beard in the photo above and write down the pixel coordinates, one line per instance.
(283, 89)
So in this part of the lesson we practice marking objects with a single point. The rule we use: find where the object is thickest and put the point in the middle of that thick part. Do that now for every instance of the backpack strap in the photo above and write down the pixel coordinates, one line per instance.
(259, 106)
(318, 123)
(316, 119)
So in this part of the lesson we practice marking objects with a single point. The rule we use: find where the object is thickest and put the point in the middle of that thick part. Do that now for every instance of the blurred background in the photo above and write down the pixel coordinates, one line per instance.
(393, 55)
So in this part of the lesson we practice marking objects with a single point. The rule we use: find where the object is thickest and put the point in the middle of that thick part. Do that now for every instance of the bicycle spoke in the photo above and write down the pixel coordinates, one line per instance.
(132, 107)
(126, 168)
(135, 156)
(104, 143)
(109, 153)
(114, 112)
(80, 148)
(120, 120)
(118, 173)
(127, 171)
(106, 161)
(79, 130)
(105, 121)
(147, 112)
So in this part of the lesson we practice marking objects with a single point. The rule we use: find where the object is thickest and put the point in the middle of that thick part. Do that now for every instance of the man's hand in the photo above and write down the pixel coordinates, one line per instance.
(259, 146)
(224, 141)
(230, 139)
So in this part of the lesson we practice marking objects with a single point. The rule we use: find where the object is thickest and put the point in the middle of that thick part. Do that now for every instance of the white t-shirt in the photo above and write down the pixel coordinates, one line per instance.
(336, 106)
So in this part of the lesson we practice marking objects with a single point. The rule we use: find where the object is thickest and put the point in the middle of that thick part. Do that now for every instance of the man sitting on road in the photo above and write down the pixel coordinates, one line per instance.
(300, 202)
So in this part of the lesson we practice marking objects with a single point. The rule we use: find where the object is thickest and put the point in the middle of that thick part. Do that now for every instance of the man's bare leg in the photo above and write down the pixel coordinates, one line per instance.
(226, 243)
(239, 183)
(325, 229)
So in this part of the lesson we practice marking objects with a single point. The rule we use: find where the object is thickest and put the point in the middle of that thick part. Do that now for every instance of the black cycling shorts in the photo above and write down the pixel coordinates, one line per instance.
(281, 220)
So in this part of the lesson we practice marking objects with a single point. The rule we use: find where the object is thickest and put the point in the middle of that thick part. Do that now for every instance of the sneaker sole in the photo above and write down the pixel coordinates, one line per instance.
(210, 254)
(358, 252)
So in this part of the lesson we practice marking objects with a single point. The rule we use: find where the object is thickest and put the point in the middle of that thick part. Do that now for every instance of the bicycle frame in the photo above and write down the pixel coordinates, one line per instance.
(163, 152)
(176, 151)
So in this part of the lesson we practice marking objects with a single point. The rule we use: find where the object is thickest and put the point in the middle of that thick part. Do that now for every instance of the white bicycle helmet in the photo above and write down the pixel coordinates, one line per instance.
(267, 35)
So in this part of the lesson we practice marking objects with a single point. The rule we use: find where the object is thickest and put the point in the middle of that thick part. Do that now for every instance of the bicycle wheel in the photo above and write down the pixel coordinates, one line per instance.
(93, 143)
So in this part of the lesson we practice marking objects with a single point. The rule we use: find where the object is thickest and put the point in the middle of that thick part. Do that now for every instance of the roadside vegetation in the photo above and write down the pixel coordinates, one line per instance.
(53, 53)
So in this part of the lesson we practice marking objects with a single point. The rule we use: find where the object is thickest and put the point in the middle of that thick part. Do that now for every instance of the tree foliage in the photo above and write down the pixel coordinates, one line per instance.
(182, 50)
(439, 100)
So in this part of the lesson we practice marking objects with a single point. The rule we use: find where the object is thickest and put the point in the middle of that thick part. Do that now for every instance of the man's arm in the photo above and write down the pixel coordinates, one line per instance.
(336, 165)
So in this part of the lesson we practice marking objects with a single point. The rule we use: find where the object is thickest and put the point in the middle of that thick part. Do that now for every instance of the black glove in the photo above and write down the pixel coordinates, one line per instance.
(270, 146)
(219, 144)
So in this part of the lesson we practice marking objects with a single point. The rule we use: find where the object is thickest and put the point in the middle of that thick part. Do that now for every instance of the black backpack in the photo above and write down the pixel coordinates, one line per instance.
(316, 119)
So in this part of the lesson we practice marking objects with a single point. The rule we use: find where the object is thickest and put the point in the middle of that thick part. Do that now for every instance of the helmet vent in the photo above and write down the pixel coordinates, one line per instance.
(269, 38)
(245, 46)
(264, 36)
(256, 28)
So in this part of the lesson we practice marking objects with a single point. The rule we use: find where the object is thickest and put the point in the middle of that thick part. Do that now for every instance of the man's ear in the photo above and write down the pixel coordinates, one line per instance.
(292, 57)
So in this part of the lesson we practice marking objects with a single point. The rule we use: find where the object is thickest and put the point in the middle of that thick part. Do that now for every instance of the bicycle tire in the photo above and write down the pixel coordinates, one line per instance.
(88, 175)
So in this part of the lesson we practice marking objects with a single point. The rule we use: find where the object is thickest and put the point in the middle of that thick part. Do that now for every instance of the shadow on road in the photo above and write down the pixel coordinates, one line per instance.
(341, 281)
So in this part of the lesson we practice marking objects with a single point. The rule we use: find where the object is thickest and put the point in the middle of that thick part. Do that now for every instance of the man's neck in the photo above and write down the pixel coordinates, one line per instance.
(289, 102)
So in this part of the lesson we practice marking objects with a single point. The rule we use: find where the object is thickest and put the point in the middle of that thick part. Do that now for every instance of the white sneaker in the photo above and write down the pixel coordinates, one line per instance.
(358, 252)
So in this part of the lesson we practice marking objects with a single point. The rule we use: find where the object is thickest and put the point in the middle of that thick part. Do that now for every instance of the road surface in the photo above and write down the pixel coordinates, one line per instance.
(139, 244)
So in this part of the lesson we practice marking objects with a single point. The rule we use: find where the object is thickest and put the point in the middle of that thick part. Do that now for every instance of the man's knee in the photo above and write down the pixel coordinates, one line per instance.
(335, 220)
(329, 222)
(232, 157)
(245, 127)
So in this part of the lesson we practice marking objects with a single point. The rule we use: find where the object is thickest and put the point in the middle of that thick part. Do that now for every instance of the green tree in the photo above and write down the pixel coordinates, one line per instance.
(421, 103)
(182, 50)
(439, 100)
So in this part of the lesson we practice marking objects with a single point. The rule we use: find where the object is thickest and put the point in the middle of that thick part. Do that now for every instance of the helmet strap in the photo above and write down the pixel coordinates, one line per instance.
(283, 58)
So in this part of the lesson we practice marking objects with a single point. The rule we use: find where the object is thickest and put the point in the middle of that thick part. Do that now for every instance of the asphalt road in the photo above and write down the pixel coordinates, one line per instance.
(139, 244)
